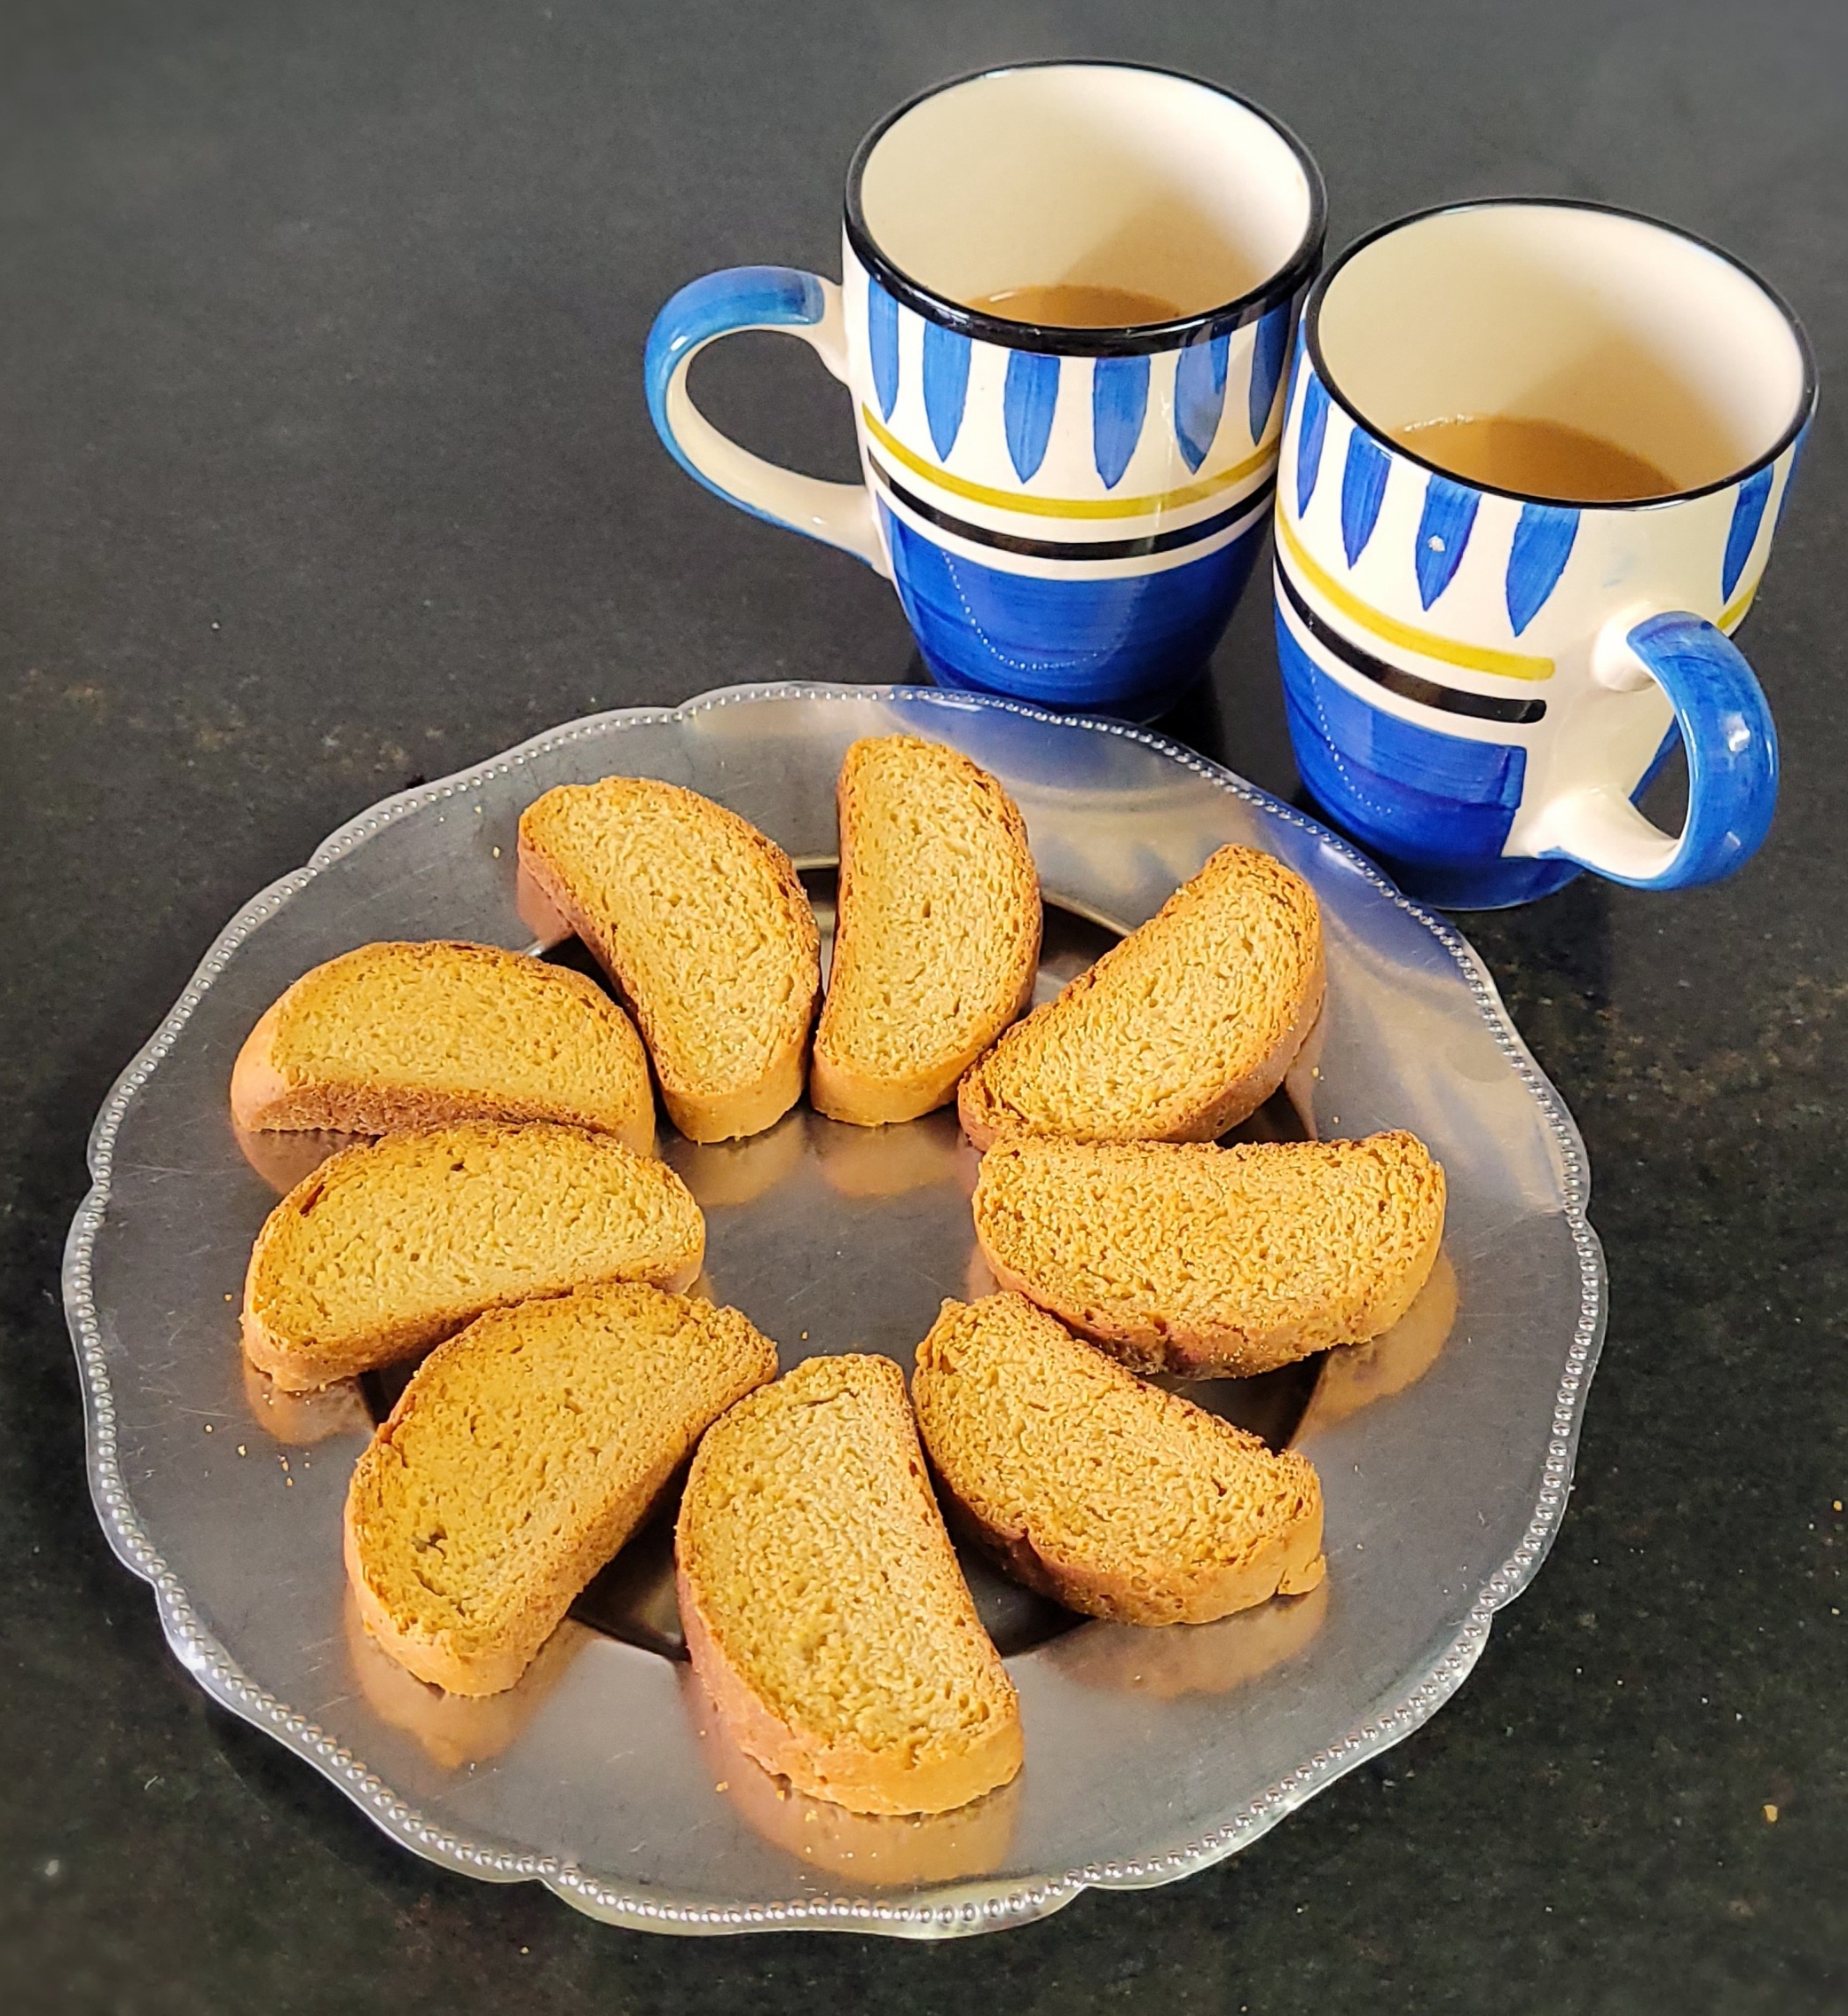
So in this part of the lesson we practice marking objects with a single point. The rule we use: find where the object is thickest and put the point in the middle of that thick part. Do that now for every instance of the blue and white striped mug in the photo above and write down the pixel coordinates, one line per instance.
(1068, 513)
(1481, 681)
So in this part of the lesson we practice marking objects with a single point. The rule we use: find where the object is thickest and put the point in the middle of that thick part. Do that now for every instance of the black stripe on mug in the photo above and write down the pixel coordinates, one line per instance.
(1407, 685)
(1075, 549)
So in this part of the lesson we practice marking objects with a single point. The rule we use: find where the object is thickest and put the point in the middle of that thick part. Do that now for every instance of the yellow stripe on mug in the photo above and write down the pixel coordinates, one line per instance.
(1104, 507)
(1471, 658)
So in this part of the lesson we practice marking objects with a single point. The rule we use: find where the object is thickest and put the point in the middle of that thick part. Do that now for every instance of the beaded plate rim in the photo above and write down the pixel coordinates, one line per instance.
(961, 1909)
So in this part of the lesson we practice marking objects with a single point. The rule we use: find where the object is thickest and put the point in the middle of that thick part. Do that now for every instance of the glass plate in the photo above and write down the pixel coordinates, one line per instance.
(1444, 1449)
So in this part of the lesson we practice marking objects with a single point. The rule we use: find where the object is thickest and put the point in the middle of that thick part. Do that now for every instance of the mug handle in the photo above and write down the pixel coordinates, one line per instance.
(1731, 766)
(756, 298)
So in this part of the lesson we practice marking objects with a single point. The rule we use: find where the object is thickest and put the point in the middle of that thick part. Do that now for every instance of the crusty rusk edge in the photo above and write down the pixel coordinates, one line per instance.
(1287, 1564)
(844, 1092)
(843, 1773)
(1228, 1354)
(258, 1090)
(264, 1099)
(724, 1116)
(487, 1672)
(297, 1370)
(886, 1850)
(1238, 1101)
(493, 1669)
(839, 1092)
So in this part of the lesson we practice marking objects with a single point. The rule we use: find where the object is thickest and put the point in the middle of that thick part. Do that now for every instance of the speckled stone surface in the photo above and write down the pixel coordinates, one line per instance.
(326, 466)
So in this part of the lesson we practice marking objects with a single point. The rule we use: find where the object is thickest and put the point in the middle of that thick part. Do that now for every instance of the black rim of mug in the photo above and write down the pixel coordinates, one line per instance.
(1312, 343)
(1133, 341)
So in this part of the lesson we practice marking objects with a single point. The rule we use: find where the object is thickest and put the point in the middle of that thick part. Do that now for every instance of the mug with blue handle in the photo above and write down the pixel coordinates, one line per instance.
(1480, 683)
(1068, 515)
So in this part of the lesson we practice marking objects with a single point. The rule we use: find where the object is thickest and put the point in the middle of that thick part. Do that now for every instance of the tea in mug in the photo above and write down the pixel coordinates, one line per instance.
(1538, 458)
(1077, 305)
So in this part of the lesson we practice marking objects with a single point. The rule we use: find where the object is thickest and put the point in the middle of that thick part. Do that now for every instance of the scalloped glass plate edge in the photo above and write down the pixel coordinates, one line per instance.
(956, 1910)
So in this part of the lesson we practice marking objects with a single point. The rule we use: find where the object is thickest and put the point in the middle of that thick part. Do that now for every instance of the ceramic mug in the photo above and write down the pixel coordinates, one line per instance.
(1481, 682)
(1068, 513)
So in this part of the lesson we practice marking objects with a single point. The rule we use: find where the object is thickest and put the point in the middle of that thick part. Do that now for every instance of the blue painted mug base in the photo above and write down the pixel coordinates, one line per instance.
(1482, 886)
(1144, 708)
(1435, 810)
(1130, 645)
(1498, 883)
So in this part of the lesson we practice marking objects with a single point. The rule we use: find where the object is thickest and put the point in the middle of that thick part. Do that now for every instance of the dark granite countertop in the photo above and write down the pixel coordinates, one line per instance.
(326, 468)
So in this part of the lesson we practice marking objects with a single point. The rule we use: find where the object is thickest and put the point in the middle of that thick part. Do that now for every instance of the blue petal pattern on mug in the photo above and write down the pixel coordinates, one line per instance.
(1443, 530)
(1266, 364)
(946, 384)
(1309, 433)
(1748, 513)
(882, 342)
(1363, 491)
(1119, 400)
(1027, 403)
(1199, 395)
(1542, 544)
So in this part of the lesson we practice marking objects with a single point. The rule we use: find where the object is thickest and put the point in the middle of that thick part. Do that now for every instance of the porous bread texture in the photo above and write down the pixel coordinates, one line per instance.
(824, 1611)
(1213, 1261)
(701, 922)
(1177, 1033)
(521, 1456)
(1104, 1493)
(937, 930)
(402, 1035)
(392, 1246)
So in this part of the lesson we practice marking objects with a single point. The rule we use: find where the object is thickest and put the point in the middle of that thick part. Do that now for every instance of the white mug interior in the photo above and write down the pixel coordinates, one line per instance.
(1085, 173)
(1596, 320)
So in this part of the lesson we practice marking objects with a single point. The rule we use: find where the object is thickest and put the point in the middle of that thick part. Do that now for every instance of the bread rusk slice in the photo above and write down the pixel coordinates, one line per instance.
(703, 924)
(521, 1456)
(395, 1034)
(394, 1245)
(1177, 1033)
(823, 1607)
(1213, 1261)
(936, 934)
(1098, 1489)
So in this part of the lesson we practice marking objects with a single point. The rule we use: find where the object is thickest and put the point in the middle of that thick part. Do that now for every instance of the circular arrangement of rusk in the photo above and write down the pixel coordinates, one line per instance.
(1178, 1032)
